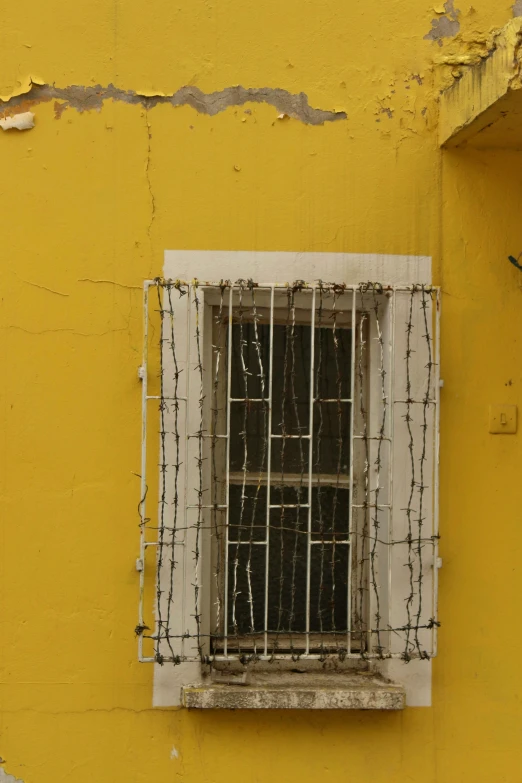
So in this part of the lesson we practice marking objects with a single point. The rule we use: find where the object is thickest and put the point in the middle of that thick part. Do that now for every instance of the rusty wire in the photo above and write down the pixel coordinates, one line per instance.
(214, 559)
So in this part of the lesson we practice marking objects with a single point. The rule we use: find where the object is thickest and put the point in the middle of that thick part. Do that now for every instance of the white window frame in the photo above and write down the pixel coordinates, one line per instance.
(266, 268)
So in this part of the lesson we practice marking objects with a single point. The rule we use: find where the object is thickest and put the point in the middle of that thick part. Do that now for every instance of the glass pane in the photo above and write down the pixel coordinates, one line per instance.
(291, 386)
(248, 427)
(331, 447)
(246, 589)
(333, 362)
(290, 457)
(287, 579)
(330, 512)
(250, 359)
(247, 516)
(329, 588)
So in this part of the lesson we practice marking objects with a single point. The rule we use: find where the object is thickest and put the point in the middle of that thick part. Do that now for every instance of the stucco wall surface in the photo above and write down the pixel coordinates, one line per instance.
(281, 125)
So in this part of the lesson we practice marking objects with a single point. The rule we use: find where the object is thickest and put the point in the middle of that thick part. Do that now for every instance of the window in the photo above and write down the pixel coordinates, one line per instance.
(297, 474)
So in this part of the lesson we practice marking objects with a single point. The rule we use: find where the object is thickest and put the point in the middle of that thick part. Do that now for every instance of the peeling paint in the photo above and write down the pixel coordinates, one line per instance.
(5, 778)
(445, 26)
(23, 121)
(517, 8)
(82, 98)
(25, 86)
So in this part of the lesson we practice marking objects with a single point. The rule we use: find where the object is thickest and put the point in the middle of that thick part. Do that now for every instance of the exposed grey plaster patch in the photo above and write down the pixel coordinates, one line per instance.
(88, 98)
(517, 8)
(445, 26)
(5, 778)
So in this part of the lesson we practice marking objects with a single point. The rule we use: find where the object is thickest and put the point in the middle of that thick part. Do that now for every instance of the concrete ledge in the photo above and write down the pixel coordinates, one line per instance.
(484, 107)
(356, 692)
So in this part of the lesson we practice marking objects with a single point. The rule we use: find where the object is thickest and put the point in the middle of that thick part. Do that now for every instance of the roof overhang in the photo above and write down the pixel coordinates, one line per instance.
(484, 107)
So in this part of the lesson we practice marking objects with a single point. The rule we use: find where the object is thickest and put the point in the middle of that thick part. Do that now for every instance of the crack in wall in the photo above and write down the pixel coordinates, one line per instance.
(147, 176)
(82, 98)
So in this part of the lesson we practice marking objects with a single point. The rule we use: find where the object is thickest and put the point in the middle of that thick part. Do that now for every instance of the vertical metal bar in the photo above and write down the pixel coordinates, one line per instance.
(350, 512)
(227, 478)
(391, 375)
(436, 470)
(269, 461)
(199, 461)
(188, 409)
(310, 469)
(143, 480)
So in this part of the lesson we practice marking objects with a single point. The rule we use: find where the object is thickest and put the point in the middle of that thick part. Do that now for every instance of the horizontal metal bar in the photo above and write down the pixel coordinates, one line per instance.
(303, 287)
(334, 399)
(289, 479)
(356, 656)
(248, 399)
(371, 505)
(159, 397)
(211, 437)
(286, 437)
(322, 542)
(288, 505)
(248, 543)
(416, 402)
(372, 437)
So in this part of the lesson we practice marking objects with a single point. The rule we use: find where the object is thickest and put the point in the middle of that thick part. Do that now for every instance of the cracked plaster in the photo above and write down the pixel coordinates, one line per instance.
(445, 26)
(92, 98)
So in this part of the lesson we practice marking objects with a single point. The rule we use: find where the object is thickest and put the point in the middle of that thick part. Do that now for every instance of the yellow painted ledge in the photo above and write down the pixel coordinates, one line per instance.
(484, 108)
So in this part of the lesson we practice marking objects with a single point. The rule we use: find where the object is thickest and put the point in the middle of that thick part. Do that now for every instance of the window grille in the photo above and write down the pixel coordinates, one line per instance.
(296, 514)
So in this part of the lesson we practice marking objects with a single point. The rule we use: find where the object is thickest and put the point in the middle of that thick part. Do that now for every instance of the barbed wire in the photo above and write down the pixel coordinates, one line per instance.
(297, 576)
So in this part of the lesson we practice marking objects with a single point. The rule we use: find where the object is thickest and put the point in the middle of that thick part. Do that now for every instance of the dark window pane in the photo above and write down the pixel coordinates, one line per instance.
(330, 512)
(333, 351)
(291, 386)
(248, 424)
(287, 579)
(247, 516)
(329, 588)
(250, 360)
(290, 456)
(246, 589)
(331, 447)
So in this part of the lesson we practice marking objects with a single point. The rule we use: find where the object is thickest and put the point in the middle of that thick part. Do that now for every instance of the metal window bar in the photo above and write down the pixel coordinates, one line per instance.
(387, 530)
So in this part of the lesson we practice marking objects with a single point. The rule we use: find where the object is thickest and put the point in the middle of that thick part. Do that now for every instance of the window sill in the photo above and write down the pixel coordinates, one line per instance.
(359, 691)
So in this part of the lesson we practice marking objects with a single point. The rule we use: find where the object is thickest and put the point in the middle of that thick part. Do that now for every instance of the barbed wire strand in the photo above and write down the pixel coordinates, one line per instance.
(286, 601)
(378, 464)
(216, 477)
(163, 481)
(199, 461)
(423, 457)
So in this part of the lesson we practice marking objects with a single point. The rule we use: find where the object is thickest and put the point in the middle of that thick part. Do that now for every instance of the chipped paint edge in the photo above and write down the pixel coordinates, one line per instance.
(88, 98)
(463, 106)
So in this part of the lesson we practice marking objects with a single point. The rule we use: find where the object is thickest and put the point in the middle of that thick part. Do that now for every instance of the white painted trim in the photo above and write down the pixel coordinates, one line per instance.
(280, 267)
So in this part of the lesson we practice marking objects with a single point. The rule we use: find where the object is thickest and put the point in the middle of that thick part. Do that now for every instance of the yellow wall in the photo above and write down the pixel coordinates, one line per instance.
(89, 201)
